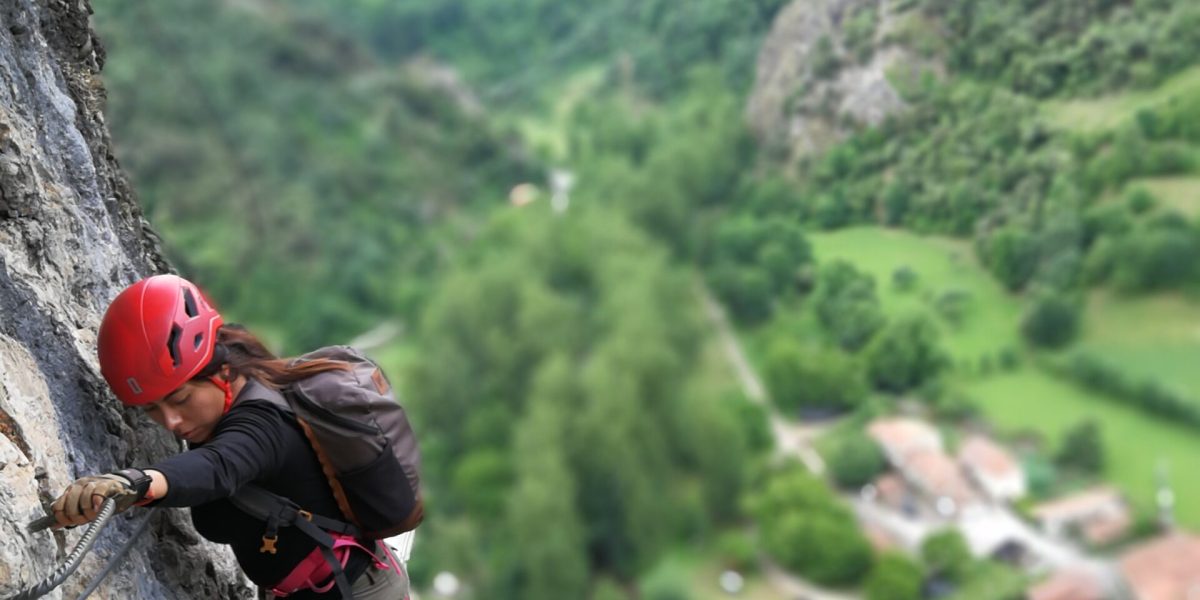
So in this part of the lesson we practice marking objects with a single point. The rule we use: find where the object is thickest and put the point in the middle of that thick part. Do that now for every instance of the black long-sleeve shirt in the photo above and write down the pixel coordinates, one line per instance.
(255, 442)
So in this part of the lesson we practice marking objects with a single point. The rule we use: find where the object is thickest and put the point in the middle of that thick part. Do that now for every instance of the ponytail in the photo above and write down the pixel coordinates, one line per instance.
(247, 356)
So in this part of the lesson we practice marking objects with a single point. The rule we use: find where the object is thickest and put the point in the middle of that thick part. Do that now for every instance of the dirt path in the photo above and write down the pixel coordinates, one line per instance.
(791, 439)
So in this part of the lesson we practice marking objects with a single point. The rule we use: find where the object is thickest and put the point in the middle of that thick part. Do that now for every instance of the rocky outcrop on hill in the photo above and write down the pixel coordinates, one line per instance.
(71, 236)
(827, 67)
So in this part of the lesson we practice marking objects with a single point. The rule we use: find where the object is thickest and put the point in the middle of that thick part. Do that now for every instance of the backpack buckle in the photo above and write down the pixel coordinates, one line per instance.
(269, 543)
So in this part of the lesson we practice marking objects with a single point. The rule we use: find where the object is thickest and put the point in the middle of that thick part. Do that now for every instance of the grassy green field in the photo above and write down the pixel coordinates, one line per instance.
(1152, 337)
(1149, 337)
(990, 321)
(1107, 112)
(1136, 443)
(1180, 193)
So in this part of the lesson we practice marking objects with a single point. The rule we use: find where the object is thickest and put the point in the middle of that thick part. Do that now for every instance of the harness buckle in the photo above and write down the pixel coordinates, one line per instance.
(307, 515)
(269, 544)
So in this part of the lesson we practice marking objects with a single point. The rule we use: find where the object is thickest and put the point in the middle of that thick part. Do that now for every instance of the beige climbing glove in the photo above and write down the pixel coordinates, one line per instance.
(81, 501)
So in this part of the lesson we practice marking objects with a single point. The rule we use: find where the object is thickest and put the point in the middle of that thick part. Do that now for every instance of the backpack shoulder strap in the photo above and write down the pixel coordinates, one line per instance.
(255, 390)
(261, 504)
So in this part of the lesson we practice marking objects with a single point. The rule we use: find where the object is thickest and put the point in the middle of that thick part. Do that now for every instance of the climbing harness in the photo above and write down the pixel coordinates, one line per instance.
(75, 558)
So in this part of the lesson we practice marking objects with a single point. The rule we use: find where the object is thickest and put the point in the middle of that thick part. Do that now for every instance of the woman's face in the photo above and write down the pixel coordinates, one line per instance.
(190, 412)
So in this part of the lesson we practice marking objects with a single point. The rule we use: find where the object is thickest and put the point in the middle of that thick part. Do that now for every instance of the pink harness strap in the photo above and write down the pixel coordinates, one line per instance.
(310, 572)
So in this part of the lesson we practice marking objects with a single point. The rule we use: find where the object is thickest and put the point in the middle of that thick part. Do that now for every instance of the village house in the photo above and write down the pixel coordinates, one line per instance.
(1165, 568)
(938, 477)
(1097, 516)
(914, 449)
(899, 436)
(992, 469)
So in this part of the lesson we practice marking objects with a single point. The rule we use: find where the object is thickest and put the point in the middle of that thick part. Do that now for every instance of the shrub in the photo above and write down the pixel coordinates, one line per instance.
(846, 304)
(737, 551)
(805, 379)
(1082, 449)
(955, 406)
(904, 355)
(1147, 395)
(855, 460)
(952, 305)
(904, 278)
(1040, 476)
(1140, 200)
(1012, 257)
(807, 529)
(746, 291)
(946, 553)
(1157, 258)
(825, 62)
(1052, 321)
(894, 577)
(1009, 358)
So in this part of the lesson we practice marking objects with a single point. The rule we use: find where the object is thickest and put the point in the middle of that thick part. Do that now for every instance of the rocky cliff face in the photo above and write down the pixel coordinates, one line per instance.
(71, 236)
(827, 67)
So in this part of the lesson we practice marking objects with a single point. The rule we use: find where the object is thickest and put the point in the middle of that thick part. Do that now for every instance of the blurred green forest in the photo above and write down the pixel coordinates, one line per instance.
(280, 159)
(514, 50)
(1016, 250)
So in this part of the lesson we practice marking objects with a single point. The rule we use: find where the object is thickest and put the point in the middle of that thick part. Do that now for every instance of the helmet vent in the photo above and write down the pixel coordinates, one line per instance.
(196, 341)
(173, 344)
(189, 303)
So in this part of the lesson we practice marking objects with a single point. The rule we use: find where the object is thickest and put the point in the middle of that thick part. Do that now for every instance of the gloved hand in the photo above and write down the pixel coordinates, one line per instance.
(81, 501)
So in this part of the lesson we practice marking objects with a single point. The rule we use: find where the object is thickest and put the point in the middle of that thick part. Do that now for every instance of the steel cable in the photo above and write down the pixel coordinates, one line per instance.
(74, 559)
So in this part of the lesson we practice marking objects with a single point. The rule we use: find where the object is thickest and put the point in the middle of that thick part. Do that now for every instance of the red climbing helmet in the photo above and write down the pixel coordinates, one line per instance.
(157, 334)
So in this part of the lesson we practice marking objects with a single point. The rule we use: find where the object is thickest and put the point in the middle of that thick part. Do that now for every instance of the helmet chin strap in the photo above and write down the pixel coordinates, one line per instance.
(224, 385)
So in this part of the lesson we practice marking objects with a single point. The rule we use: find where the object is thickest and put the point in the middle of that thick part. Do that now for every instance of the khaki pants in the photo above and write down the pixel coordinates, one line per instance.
(376, 584)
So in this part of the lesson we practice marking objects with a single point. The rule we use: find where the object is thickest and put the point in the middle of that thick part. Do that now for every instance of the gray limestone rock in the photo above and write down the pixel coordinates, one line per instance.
(71, 236)
(811, 89)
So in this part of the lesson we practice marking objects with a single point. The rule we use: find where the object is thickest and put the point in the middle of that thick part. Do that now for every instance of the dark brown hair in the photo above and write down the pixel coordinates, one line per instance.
(247, 356)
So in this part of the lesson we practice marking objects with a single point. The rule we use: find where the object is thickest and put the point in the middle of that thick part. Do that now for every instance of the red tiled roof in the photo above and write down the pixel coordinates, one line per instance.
(985, 456)
(902, 435)
(938, 475)
(1167, 568)
(1080, 505)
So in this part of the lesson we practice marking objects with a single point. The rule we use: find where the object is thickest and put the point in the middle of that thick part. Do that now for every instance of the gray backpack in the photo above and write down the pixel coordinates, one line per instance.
(363, 440)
